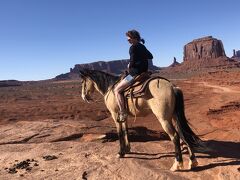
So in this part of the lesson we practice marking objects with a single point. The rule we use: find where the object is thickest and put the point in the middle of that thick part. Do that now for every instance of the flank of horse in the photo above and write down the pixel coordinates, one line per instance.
(161, 98)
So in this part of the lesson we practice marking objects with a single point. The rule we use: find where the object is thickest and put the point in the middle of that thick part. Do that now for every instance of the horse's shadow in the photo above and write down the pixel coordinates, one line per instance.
(228, 150)
(138, 134)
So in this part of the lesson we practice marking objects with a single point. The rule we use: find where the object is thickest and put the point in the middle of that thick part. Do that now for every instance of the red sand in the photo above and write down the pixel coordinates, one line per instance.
(52, 119)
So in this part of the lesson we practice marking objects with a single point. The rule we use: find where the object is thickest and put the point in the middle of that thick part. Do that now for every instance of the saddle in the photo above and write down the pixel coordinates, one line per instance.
(138, 87)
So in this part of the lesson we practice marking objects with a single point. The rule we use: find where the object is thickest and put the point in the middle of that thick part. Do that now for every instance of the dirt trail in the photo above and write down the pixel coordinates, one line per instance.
(219, 89)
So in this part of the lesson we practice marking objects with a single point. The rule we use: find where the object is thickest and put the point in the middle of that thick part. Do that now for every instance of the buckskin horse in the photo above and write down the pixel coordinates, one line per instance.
(161, 97)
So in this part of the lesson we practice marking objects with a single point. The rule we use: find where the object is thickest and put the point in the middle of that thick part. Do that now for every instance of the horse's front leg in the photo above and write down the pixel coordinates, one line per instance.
(127, 147)
(123, 136)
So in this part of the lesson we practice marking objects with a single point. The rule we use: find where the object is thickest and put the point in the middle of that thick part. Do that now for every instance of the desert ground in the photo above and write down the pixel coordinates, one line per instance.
(48, 132)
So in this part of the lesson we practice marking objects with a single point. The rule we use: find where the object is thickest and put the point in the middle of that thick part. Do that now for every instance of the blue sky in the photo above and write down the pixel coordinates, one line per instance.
(40, 39)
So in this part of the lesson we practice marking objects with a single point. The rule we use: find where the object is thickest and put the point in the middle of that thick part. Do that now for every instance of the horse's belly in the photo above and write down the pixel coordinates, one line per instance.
(139, 107)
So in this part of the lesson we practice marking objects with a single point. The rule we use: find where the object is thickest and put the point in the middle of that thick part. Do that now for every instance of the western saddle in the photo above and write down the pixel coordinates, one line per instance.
(138, 87)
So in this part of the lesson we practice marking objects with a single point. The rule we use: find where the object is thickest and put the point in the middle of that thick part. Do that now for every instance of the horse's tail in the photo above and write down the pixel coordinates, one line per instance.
(184, 130)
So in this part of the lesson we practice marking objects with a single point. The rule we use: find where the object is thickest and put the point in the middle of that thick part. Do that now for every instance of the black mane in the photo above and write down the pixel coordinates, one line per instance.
(102, 79)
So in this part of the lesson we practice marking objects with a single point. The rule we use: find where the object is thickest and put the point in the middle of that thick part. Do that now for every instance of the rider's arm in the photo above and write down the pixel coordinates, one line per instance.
(132, 52)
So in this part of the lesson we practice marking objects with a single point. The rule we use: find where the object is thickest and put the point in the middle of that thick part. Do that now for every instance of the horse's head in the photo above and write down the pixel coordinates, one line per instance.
(87, 85)
(95, 79)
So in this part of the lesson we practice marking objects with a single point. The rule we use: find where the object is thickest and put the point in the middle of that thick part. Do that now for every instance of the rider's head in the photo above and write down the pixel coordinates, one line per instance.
(134, 37)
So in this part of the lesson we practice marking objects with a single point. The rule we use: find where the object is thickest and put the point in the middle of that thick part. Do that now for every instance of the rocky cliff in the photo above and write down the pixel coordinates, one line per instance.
(204, 48)
(236, 54)
(115, 67)
(7, 83)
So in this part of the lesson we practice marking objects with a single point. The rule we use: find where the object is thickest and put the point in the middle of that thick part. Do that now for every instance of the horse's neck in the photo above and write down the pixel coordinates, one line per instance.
(99, 89)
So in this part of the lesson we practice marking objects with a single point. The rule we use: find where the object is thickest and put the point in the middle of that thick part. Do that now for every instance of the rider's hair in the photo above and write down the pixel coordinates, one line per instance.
(135, 35)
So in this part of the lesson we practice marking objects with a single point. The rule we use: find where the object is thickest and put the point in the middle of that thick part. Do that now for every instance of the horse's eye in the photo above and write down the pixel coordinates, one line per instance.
(82, 80)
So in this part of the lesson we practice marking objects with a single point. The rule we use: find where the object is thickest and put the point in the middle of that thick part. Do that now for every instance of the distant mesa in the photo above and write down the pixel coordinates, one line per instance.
(7, 83)
(204, 48)
(206, 52)
(114, 67)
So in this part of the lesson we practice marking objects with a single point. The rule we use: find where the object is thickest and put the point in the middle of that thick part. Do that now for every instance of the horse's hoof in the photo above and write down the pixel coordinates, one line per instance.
(128, 149)
(120, 155)
(192, 164)
(177, 166)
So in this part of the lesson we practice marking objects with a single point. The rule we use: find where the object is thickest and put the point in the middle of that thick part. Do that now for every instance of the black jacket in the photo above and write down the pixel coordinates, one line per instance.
(139, 56)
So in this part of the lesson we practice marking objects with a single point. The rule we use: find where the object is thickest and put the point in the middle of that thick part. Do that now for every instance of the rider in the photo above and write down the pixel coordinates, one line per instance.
(138, 64)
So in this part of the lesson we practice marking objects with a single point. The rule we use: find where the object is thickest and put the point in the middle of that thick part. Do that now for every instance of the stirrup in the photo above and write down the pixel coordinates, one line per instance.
(122, 116)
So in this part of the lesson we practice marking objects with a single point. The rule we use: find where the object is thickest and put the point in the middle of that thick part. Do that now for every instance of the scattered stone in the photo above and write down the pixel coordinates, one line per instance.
(26, 164)
(87, 154)
(12, 171)
(84, 175)
(36, 164)
(49, 157)
(22, 165)
(28, 168)
(238, 169)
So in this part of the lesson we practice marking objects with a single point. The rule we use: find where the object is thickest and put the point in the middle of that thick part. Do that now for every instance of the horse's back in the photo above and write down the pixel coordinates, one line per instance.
(163, 97)
(161, 87)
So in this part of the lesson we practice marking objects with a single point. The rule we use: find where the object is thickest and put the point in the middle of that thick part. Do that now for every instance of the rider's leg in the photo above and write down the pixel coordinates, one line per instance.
(119, 95)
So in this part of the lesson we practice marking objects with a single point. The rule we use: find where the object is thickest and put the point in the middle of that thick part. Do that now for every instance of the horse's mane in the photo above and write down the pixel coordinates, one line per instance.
(102, 79)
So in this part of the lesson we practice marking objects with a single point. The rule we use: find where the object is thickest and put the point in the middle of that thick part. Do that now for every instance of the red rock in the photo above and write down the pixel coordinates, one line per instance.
(204, 48)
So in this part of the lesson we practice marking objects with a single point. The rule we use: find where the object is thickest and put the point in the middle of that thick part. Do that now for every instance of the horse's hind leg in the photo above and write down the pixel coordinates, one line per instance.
(192, 158)
(169, 129)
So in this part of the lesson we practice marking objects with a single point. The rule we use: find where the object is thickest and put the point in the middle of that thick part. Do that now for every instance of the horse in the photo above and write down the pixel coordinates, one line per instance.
(162, 98)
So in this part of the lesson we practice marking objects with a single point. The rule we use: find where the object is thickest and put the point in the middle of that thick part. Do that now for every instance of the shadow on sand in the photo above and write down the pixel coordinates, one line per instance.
(138, 134)
(228, 150)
